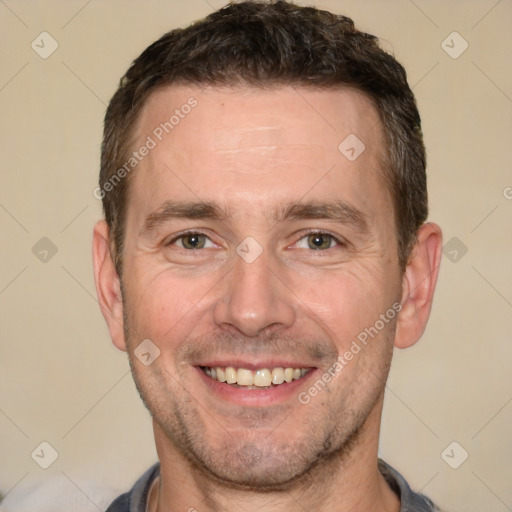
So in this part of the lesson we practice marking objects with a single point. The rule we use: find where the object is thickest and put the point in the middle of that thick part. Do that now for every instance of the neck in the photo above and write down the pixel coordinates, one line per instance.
(343, 482)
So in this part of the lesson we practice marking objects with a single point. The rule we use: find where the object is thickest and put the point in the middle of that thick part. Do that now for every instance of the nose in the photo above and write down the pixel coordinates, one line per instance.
(254, 300)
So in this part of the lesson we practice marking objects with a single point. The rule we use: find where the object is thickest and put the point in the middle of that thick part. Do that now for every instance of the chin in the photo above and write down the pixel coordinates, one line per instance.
(253, 466)
(262, 462)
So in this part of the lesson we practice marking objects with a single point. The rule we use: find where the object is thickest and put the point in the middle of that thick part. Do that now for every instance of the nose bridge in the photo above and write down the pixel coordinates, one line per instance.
(253, 298)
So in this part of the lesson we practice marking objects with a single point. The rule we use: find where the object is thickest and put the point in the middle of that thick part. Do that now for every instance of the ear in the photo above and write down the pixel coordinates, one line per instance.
(108, 285)
(418, 285)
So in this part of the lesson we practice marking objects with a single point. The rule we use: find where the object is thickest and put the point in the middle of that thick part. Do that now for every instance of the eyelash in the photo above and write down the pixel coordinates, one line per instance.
(338, 242)
(184, 235)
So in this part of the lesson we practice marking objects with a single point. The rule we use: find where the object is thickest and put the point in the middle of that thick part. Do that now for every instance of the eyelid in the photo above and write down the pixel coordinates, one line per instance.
(339, 240)
(183, 234)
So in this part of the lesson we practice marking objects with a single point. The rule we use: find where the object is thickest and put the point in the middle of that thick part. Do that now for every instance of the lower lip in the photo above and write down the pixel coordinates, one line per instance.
(256, 397)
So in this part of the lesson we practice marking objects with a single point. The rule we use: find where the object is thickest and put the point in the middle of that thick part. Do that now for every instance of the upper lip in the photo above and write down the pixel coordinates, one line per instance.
(253, 365)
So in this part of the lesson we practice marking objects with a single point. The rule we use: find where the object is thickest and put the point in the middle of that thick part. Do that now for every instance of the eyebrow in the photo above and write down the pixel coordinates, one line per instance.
(337, 211)
(171, 210)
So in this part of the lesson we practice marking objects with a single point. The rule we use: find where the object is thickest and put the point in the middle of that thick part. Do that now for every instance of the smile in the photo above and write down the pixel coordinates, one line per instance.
(249, 379)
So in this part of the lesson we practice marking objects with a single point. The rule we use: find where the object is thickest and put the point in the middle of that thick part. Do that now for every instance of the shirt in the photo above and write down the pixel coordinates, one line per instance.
(136, 499)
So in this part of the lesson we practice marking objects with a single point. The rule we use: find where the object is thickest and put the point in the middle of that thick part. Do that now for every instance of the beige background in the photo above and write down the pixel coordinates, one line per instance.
(61, 381)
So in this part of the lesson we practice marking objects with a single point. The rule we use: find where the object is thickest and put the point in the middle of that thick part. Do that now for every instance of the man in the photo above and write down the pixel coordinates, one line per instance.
(264, 248)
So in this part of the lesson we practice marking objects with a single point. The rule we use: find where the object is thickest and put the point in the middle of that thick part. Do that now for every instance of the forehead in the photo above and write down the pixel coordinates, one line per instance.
(228, 116)
(247, 144)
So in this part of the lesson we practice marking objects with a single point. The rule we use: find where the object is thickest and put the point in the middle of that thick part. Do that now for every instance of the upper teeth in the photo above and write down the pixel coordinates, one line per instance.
(259, 378)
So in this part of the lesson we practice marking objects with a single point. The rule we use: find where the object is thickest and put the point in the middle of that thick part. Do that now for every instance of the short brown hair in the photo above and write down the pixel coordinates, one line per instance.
(272, 43)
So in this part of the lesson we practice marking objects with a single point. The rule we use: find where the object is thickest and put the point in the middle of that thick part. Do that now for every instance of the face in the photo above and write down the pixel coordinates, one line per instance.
(255, 246)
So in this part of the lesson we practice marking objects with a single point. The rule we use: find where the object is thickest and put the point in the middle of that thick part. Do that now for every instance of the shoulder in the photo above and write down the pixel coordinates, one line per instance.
(135, 500)
(410, 501)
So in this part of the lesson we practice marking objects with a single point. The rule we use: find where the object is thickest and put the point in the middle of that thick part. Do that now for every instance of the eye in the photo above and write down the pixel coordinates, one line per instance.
(192, 241)
(317, 242)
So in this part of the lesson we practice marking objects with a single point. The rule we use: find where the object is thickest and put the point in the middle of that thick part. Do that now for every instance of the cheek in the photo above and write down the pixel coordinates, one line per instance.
(164, 306)
(346, 301)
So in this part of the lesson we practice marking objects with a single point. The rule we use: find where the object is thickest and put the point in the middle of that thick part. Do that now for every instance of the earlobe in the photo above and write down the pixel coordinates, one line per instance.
(418, 285)
(108, 286)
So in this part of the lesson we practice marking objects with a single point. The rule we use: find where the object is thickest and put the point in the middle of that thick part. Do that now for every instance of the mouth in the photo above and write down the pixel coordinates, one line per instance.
(263, 378)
